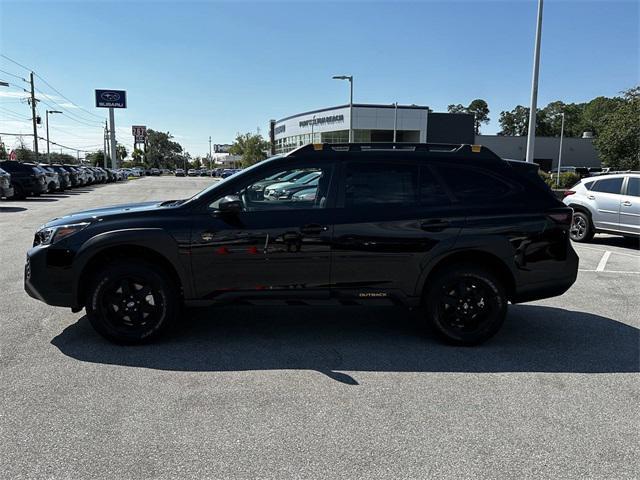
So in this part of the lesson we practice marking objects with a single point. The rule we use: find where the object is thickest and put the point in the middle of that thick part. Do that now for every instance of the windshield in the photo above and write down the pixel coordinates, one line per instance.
(224, 181)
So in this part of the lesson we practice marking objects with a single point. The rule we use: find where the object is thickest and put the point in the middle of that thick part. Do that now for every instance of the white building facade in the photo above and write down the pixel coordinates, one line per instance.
(371, 123)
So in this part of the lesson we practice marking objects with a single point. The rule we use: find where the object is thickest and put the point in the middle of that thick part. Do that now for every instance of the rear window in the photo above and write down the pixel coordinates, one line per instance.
(470, 184)
(608, 185)
(380, 183)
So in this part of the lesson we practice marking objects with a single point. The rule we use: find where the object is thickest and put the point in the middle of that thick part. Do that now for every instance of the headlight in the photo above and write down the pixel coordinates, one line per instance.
(49, 235)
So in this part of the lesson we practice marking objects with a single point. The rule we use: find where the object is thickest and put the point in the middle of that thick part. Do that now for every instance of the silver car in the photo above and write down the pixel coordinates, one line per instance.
(605, 204)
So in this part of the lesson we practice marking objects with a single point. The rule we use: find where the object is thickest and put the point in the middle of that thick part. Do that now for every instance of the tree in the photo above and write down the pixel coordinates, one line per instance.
(137, 158)
(480, 111)
(162, 152)
(515, 122)
(121, 152)
(478, 108)
(3, 151)
(618, 140)
(253, 148)
(96, 158)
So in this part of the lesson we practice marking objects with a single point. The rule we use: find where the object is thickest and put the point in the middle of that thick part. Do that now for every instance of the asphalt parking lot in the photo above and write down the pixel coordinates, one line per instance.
(302, 392)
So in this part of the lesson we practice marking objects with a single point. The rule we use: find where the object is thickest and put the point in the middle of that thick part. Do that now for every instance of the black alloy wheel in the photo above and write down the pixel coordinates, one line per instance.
(466, 305)
(132, 303)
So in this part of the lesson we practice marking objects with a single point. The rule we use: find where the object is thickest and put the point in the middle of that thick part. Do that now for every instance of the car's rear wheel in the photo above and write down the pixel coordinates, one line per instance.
(466, 305)
(581, 228)
(18, 193)
(132, 302)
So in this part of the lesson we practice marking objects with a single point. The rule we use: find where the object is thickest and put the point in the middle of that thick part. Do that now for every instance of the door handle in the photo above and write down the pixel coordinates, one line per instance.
(591, 197)
(626, 203)
(435, 225)
(313, 229)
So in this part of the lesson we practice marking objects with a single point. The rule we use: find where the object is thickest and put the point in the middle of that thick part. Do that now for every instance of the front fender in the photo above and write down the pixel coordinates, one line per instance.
(154, 239)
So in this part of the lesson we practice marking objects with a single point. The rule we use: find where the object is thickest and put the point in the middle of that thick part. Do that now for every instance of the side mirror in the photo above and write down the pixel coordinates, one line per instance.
(230, 204)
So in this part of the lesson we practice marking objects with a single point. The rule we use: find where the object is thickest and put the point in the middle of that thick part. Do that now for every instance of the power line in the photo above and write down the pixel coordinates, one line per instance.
(13, 75)
(71, 102)
(13, 61)
(48, 97)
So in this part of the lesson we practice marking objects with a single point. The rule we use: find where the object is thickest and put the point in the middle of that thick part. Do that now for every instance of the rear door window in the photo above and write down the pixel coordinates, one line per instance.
(383, 183)
(472, 184)
(633, 187)
(432, 191)
(608, 185)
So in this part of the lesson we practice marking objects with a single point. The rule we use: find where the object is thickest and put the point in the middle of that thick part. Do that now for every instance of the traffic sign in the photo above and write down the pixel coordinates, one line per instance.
(111, 99)
(139, 130)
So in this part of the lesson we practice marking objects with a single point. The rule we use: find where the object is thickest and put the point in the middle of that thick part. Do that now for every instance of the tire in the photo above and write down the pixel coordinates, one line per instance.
(581, 227)
(120, 295)
(465, 305)
(18, 192)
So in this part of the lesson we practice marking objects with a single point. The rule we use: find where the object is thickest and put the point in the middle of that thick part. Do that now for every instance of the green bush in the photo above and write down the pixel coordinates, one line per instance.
(567, 179)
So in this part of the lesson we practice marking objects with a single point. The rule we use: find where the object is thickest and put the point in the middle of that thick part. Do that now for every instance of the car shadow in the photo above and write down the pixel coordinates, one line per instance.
(333, 340)
(39, 199)
(616, 241)
(11, 209)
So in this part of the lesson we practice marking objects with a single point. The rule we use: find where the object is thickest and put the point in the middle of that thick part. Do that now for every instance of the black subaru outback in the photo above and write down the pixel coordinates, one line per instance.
(453, 229)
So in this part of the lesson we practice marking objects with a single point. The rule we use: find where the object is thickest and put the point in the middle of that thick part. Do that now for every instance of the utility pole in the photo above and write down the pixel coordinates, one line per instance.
(560, 152)
(531, 137)
(106, 143)
(112, 124)
(33, 116)
(210, 157)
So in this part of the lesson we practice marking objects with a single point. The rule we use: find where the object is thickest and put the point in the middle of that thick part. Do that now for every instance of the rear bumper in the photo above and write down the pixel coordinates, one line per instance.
(558, 280)
(6, 192)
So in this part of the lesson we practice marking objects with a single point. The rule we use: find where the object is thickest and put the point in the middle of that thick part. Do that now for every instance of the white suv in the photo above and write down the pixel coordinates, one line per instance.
(606, 203)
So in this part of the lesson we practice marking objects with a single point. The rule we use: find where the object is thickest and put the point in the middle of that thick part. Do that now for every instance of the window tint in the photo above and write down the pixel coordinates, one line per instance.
(432, 192)
(380, 183)
(277, 191)
(633, 187)
(609, 185)
(589, 185)
(470, 184)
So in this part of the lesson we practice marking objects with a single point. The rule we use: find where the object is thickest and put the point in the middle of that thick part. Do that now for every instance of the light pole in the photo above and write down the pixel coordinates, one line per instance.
(350, 78)
(47, 121)
(313, 122)
(560, 152)
(531, 137)
(395, 122)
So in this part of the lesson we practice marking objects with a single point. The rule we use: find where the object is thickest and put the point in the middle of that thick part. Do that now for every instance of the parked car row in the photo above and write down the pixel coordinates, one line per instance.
(205, 172)
(19, 180)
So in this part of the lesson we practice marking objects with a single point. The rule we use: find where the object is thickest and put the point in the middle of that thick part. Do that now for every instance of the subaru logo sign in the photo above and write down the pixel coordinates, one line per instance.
(111, 99)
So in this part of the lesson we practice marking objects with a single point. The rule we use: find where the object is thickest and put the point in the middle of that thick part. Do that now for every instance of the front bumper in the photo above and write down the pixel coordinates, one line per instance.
(48, 276)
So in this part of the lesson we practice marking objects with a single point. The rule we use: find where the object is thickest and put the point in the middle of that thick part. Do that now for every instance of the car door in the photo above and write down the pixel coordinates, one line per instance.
(630, 206)
(270, 247)
(605, 197)
(379, 243)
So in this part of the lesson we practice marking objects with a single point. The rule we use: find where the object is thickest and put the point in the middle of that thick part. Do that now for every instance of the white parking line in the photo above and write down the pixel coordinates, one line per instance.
(600, 250)
(608, 271)
(603, 261)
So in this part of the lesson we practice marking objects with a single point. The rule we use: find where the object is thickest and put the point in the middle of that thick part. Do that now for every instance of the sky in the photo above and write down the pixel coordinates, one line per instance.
(216, 68)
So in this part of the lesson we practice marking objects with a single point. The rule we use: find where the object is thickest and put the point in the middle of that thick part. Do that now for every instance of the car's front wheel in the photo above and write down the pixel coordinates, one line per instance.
(466, 305)
(132, 302)
(581, 228)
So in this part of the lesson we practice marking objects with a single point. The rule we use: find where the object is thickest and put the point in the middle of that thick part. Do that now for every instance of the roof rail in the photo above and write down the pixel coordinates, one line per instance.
(478, 151)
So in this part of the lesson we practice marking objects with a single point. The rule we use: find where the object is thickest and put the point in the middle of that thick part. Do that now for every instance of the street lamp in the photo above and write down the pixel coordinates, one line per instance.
(560, 152)
(47, 117)
(313, 122)
(531, 134)
(350, 78)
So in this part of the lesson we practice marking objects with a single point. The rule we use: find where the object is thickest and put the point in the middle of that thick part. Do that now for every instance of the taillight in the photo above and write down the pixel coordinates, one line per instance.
(563, 216)
(568, 192)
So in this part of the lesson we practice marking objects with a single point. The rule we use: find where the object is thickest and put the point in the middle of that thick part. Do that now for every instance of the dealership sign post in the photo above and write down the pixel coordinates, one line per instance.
(139, 133)
(112, 99)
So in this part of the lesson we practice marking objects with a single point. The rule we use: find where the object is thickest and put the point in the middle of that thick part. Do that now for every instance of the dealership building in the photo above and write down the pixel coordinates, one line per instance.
(416, 123)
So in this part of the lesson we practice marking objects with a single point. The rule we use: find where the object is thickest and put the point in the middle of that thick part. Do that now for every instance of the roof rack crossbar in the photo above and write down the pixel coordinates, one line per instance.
(477, 151)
